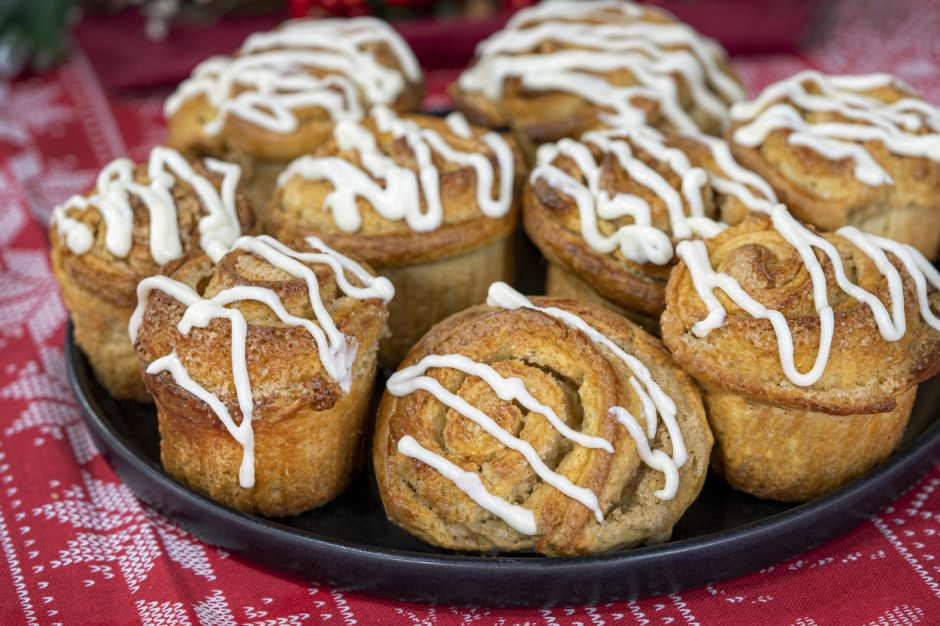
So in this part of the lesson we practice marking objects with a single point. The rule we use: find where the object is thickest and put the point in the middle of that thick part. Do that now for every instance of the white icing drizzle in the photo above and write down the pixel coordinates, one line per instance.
(509, 390)
(337, 351)
(652, 399)
(655, 459)
(653, 52)
(641, 241)
(242, 432)
(218, 228)
(519, 518)
(350, 36)
(891, 324)
(410, 379)
(571, 9)
(900, 126)
(270, 79)
(459, 125)
(403, 191)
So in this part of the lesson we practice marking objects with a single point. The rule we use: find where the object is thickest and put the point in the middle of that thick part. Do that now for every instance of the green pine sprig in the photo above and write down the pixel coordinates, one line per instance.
(33, 33)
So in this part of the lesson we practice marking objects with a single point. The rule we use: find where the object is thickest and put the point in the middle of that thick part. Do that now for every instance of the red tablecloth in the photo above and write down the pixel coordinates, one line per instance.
(79, 548)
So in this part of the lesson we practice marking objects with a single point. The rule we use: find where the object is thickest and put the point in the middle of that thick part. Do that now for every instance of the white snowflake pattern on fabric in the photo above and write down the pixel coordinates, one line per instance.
(903, 615)
(13, 563)
(183, 549)
(29, 297)
(162, 614)
(58, 181)
(114, 527)
(418, 615)
(12, 217)
(288, 620)
(214, 610)
(32, 109)
(52, 411)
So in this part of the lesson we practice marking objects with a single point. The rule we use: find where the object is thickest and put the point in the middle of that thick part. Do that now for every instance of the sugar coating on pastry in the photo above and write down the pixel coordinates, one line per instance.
(306, 70)
(561, 68)
(398, 185)
(336, 350)
(591, 442)
(838, 323)
(862, 150)
(611, 205)
(108, 212)
(138, 220)
(836, 115)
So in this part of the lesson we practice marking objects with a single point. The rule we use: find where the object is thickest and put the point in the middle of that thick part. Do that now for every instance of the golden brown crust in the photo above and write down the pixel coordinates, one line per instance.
(297, 207)
(115, 278)
(548, 115)
(791, 455)
(864, 374)
(99, 287)
(239, 136)
(826, 192)
(627, 284)
(552, 220)
(203, 456)
(307, 429)
(426, 293)
(580, 380)
(561, 283)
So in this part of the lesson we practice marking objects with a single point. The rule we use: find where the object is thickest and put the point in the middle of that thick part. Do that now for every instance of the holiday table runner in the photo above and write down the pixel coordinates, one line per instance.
(79, 548)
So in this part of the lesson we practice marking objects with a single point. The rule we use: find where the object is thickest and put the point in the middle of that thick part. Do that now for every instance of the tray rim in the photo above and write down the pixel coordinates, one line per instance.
(761, 539)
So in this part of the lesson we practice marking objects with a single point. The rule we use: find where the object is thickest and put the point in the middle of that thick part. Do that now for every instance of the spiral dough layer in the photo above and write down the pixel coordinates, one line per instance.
(842, 359)
(545, 460)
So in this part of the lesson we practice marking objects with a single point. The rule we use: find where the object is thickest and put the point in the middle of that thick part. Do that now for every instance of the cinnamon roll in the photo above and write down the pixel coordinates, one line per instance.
(138, 221)
(561, 68)
(430, 203)
(261, 366)
(281, 94)
(809, 348)
(607, 210)
(861, 151)
(544, 424)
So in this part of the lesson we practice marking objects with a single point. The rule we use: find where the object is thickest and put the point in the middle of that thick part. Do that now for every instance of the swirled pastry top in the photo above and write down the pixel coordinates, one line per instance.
(610, 206)
(279, 96)
(840, 323)
(268, 328)
(542, 423)
(139, 217)
(832, 145)
(401, 189)
(564, 67)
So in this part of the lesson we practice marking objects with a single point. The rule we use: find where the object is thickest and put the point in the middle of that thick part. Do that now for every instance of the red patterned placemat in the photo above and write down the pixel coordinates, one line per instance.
(79, 548)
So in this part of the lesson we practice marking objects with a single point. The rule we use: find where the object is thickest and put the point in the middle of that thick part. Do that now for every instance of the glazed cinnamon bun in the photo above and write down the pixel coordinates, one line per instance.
(138, 221)
(545, 424)
(809, 348)
(861, 150)
(261, 366)
(606, 211)
(562, 68)
(431, 203)
(281, 94)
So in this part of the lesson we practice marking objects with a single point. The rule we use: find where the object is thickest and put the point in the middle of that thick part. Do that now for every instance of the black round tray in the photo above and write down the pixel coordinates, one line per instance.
(349, 543)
